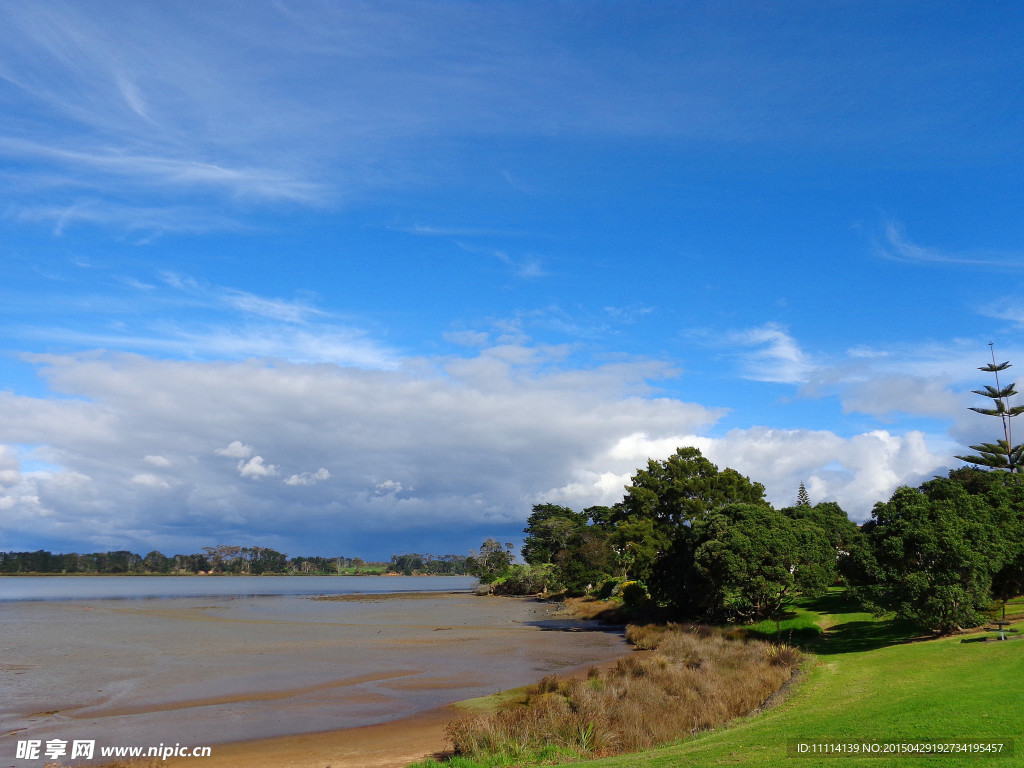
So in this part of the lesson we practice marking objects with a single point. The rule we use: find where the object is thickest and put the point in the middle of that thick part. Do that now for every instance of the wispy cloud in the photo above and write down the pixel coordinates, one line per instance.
(774, 354)
(899, 247)
(526, 266)
(148, 222)
(186, 318)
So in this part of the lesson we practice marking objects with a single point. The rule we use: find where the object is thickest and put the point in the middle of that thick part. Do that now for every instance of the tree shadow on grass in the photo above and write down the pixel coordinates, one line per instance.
(835, 602)
(858, 634)
(853, 636)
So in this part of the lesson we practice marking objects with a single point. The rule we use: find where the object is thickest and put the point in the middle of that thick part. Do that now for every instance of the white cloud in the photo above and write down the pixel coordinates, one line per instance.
(468, 338)
(776, 358)
(308, 478)
(10, 466)
(855, 471)
(255, 467)
(473, 439)
(462, 443)
(153, 481)
(235, 450)
(898, 247)
(388, 488)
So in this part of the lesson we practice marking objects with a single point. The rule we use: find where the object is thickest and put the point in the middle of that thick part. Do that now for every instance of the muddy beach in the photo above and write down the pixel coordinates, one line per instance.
(358, 676)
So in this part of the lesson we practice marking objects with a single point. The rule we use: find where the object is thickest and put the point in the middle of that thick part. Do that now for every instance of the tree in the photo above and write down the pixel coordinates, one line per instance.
(668, 497)
(156, 562)
(490, 562)
(802, 498)
(934, 551)
(1002, 454)
(745, 561)
(549, 529)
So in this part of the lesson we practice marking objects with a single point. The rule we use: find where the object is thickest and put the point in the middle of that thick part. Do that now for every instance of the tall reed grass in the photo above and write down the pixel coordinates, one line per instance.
(689, 679)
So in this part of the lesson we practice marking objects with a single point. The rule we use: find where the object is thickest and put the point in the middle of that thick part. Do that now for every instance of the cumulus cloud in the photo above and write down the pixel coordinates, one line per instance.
(435, 447)
(10, 467)
(856, 472)
(448, 449)
(255, 467)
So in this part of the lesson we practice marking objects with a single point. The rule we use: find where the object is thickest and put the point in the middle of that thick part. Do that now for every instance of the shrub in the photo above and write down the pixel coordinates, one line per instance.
(634, 594)
(695, 679)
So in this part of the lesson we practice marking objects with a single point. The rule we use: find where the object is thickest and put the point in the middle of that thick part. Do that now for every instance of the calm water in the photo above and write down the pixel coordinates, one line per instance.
(80, 661)
(136, 587)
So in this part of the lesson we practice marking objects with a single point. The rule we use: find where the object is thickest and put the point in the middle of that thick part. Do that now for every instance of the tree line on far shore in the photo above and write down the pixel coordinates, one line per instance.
(224, 559)
(690, 541)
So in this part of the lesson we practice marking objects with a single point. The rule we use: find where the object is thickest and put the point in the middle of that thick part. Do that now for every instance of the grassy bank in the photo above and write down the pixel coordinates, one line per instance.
(868, 680)
(869, 684)
(694, 678)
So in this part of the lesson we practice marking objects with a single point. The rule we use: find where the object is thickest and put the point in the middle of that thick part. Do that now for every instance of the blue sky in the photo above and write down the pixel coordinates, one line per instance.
(364, 278)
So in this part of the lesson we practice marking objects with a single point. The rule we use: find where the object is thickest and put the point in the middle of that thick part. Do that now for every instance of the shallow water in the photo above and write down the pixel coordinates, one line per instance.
(209, 670)
(134, 587)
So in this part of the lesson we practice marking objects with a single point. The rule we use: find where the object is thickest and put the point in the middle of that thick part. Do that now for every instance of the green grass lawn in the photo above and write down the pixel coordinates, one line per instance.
(866, 683)
(867, 680)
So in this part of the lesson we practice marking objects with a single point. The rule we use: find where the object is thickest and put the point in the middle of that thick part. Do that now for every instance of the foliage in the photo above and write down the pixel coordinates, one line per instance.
(578, 552)
(668, 496)
(413, 563)
(749, 558)
(525, 579)
(1002, 454)
(633, 594)
(490, 562)
(549, 529)
(221, 559)
(935, 551)
(802, 497)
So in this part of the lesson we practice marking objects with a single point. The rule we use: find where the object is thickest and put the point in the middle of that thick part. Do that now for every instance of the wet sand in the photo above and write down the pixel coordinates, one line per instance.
(337, 683)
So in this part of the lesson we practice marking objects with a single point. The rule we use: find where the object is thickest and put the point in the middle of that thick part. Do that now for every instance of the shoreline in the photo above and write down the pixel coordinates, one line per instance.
(391, 744)
(360, 679)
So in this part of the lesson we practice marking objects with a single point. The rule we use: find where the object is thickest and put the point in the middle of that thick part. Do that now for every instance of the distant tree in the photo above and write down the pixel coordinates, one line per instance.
(490, 561)
(802, 499)
(156, 562)
(1002, 454)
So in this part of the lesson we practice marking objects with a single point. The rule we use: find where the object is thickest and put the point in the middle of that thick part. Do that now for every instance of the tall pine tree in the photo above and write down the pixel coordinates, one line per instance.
(1002, 454)
(802, 498)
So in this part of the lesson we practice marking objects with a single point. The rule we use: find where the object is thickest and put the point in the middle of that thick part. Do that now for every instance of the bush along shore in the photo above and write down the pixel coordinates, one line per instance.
(683, 680)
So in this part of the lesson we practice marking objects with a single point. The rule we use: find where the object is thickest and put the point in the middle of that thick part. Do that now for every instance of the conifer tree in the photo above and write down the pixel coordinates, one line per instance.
(1002, 454)
(802, 499)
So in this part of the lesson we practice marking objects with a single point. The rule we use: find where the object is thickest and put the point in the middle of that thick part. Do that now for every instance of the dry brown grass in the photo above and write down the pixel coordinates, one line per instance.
(693, 679)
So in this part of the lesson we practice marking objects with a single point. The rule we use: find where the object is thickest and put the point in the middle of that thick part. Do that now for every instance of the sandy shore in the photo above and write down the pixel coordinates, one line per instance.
(394, 744)
(386, 745)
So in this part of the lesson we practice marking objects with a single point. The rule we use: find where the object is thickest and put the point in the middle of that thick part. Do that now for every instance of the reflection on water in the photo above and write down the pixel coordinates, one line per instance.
(214, 669)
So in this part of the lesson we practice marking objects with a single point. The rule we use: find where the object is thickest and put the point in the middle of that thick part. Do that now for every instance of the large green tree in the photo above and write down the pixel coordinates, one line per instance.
(549, 529)
(668, 497)
(745, 562)
(934, 552)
